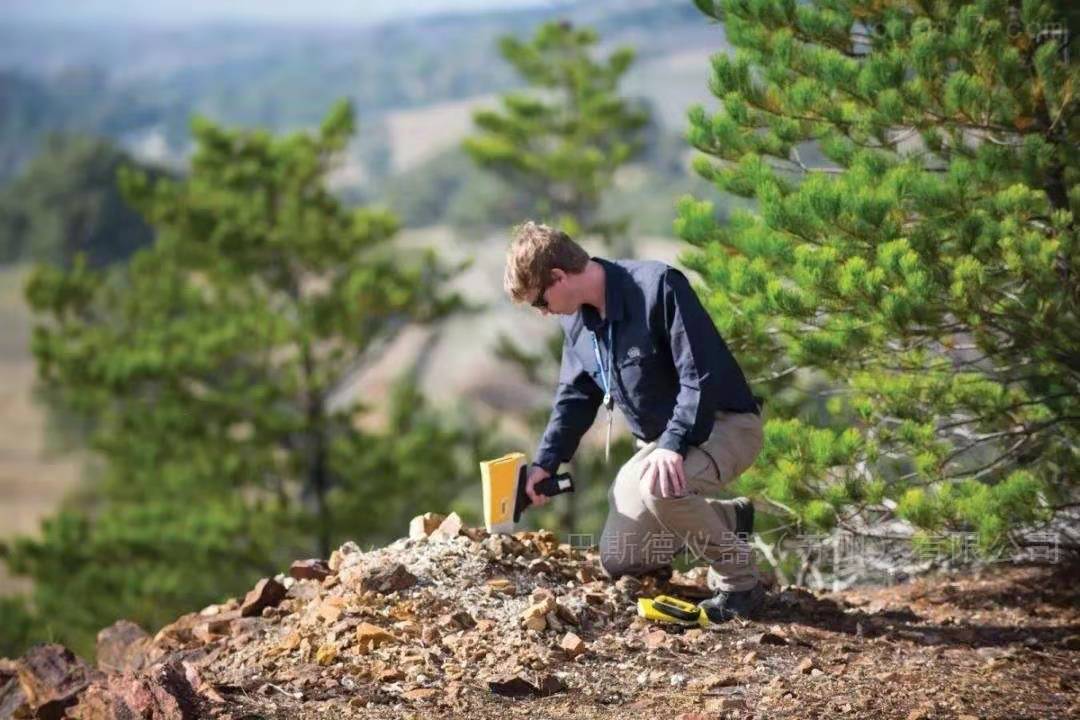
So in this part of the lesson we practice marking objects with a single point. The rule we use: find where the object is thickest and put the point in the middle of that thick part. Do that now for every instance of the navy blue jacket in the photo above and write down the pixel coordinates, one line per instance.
(672, 370)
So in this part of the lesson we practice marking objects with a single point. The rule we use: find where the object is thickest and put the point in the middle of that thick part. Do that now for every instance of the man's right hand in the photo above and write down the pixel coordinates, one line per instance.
(536, 474)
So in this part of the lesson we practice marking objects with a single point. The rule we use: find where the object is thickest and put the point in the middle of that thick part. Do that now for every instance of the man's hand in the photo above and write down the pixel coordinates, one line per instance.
(663, 473)
(536, 474)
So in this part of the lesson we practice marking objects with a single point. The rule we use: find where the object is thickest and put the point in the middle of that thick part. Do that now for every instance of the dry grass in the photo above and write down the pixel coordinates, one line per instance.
(418, 134)
(32, 483)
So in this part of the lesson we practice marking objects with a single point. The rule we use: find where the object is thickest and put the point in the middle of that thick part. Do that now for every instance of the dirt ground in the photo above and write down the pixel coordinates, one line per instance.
(461, 624)
(1002, 642)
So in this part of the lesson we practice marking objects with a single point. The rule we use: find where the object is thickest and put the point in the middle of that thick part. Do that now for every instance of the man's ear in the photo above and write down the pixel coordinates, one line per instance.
(557, 275)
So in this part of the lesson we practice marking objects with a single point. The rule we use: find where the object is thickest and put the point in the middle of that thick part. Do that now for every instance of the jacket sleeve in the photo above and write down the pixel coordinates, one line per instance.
(688, 329)
(576, 401)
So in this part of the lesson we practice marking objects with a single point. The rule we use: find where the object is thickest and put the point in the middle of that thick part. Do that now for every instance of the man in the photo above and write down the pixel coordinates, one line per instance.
(636, 336)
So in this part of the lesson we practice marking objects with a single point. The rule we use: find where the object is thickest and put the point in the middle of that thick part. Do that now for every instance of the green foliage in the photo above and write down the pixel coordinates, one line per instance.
(560, 143)
(924, 272)
(427, 456)
(18, 624)
(451, 188)
(66, 202)
(216, 366)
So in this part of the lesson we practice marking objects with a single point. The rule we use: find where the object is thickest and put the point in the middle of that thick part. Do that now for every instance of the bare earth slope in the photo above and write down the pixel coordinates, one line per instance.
(455, 623)
(32, 481)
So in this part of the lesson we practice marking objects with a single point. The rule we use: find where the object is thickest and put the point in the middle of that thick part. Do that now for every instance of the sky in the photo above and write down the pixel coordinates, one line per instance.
(275, 11)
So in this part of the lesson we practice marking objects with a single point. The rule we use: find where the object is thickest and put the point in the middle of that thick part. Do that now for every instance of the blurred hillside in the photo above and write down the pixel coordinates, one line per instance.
(139, 84)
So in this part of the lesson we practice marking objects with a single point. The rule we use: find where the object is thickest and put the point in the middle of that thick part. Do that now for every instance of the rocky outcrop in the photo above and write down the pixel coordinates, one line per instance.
(454, 622)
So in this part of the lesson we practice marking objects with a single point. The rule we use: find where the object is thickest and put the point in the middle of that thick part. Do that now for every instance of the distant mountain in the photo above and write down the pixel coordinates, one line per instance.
(140, 85)
(187, 12)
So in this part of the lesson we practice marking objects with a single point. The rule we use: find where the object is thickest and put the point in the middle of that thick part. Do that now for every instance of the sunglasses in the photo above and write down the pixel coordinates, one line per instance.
(541, 302)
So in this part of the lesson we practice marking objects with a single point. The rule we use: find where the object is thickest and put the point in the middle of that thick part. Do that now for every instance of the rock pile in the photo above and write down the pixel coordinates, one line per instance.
(454, 622)
(448, 609)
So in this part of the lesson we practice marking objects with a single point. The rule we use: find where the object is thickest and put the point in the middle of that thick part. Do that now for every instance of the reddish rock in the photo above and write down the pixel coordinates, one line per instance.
(216, 627)
(478, 534)
(331, 609)
(123, 646)
(267, 593)
(388, 580)
(423, 525)
(500, 585)
(418, 694)
(540, 565)
(539, 610)
(512, 686)
(52, 677)
(388, 675)
(585, 574)
(515, 686)
(566, 614)
(314, 569)
(460, 620)
(572, 645)
(179, 631)
(549, 685)
(165, 692)
(12, 697)
(657, 639)
(372, 636)
(449, 527)
(204, 689)
(768, 638)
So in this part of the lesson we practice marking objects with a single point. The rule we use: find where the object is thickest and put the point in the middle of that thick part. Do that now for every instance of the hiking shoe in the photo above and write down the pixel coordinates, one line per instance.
(728, 604)
(744, 518)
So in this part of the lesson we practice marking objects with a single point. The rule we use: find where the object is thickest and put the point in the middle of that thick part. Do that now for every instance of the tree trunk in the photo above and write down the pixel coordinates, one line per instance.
(318, 480)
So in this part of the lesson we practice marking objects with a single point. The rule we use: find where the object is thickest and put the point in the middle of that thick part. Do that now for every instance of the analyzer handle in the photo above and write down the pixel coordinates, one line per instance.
(550, 486)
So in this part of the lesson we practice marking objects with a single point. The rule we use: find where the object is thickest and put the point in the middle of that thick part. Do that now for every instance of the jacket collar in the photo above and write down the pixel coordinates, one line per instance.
(614, 277)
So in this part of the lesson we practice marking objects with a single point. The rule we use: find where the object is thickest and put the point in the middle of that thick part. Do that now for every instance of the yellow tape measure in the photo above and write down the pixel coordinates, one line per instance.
(664, 608)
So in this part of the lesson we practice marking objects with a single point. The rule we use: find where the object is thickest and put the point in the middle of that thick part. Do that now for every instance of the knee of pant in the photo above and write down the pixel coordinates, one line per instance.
(645, 490)
(628, 477)
(655, 503)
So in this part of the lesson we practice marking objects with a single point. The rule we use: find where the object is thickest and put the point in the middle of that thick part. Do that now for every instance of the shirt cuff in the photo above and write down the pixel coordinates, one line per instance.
(673, 441)
(549, 462)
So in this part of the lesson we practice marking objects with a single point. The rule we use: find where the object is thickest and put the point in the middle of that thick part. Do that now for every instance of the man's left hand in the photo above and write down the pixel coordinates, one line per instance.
(663, 473)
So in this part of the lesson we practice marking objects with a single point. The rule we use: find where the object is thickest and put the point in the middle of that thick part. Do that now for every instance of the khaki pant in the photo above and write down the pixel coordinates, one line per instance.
(644, 531)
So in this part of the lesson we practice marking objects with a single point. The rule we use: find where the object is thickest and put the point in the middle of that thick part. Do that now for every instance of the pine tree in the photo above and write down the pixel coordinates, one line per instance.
(213, 367)
(561, 142)
(918, 278)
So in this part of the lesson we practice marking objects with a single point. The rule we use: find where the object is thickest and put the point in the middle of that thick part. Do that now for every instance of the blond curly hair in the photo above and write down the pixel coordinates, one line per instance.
(535, 251)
